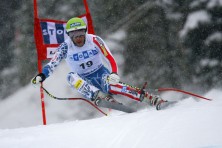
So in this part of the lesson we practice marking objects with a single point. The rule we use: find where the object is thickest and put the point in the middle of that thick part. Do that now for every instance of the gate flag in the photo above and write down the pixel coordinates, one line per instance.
(52, 34)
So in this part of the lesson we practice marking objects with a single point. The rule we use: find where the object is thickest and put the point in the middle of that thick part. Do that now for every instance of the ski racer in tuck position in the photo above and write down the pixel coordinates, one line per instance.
(83, 53)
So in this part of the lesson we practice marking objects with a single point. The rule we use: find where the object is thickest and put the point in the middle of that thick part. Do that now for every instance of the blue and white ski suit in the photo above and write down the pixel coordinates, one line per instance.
(88, 73)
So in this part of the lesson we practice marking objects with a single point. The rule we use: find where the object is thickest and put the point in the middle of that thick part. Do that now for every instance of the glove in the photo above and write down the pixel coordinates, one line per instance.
(38, 78)
(113, 78)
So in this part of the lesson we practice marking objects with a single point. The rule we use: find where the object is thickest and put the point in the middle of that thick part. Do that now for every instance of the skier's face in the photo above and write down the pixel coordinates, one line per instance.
(79, 40)
(78, 37)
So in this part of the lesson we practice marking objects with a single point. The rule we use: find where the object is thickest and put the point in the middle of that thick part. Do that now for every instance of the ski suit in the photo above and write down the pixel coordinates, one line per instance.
(88, 73)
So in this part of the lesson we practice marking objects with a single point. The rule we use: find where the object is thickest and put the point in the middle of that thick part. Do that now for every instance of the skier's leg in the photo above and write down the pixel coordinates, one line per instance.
(126, 90)
(99, 80)
(82, 86)
(88, 88)
(135, 93)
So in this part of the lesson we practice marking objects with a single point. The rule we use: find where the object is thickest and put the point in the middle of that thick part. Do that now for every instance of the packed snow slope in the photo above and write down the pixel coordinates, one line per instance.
(190, 123)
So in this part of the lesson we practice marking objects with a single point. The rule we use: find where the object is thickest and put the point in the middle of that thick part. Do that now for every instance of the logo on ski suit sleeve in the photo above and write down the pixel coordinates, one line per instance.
(102, 46)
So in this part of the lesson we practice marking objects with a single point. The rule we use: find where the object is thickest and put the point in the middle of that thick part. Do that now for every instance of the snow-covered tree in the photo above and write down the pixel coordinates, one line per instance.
(202, 35)
(153, 51)
(8, 35)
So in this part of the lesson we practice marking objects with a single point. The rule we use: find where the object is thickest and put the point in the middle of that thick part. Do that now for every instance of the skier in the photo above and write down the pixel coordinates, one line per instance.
(83, 53)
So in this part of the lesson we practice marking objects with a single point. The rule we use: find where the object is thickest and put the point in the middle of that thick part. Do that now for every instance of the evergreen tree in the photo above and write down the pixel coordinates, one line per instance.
(153, 51)
(8, 33)
(205, 42)
(108, 13)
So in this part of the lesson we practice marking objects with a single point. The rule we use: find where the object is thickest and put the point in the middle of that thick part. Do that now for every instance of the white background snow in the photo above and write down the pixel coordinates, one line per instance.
(190, 123)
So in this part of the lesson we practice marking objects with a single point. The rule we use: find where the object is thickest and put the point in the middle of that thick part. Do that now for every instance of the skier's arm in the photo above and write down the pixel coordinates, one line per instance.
(113, 77)
(106, 53)
(54, 62)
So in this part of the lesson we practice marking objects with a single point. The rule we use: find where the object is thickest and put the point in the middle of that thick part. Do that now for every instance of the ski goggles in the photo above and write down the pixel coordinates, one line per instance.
(77, 33)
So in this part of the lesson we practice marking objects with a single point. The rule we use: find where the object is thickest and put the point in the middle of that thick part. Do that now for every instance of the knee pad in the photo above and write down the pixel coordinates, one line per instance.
(74, 80)
(81, 85)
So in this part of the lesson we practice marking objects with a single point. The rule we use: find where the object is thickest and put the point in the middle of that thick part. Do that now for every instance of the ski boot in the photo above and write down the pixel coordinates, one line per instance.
(157, 101)
(100, 95)
(154, 100)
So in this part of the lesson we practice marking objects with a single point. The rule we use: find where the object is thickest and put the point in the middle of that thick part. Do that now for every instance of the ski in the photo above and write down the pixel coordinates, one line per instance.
(165, 104)
(113, 105)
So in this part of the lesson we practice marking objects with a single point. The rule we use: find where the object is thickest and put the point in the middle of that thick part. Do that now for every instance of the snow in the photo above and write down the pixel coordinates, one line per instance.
(193, 21)
(189, 123)
(216, 36)
(209, 62)
(119, 35)
(214, 3)
(197, 3)
(210, 3)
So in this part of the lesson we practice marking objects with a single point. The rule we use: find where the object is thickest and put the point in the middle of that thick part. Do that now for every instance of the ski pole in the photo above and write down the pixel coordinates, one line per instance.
(182, 91)
(54, 97)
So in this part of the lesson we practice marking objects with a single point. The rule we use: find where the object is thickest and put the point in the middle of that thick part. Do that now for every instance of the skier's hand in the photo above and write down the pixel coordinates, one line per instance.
(38, 78)
(113, 78)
